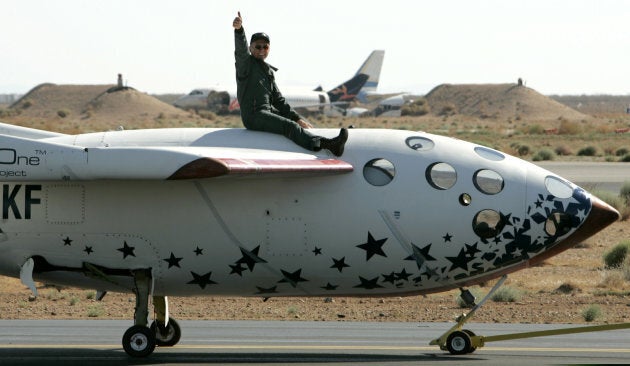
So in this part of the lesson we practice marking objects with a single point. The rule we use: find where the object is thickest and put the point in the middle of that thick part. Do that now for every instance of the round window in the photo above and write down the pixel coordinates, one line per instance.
(558, 187)
(379, 172)
(489, 154)
(488, 223)
(441, 175)
(488, 181)
(419, 143)
(558, 223)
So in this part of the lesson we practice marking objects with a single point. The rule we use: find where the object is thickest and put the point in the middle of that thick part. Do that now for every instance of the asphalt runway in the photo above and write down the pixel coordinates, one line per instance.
(97, 342)
(589, 175)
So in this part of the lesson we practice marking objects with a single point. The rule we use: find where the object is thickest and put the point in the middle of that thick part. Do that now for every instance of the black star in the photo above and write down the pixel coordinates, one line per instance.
(339, 264)
(330, 287)
(198, 251)
(173, 261)
(461, 261)
(292, 278)
(471, 250)
(317, 251)
(368, 284)
(373, 247)
(403, 275)
(538, 204)
(447, 237)
(270, 290)
(201, 280)
(237, 268)
(127, 250)
(420, 255)
(88, 250)
(250, 258)
(391, 278)
(67, 241)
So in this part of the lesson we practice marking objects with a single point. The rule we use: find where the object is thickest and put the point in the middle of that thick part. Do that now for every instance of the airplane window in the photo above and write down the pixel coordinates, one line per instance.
(558, 187)
(419, 143)
(488, 224)
(441, 175)
(379, 172)
(488, 181)
(489, 154)
(558, 223)
(465, 199)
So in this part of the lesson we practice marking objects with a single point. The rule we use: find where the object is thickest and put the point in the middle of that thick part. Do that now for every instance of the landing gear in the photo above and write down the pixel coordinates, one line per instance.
(140, 340)
(458, 341)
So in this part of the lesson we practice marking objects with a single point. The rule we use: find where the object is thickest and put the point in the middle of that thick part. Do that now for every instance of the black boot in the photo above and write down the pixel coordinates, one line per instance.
(335, 145)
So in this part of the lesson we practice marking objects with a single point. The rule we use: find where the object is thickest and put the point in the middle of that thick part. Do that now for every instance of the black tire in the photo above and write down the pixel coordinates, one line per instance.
(166, 337)
(458, 343)
(470, 334)
(138, 341)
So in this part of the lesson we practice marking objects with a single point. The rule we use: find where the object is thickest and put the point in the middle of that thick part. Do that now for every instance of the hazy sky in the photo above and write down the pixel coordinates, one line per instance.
(557, 47)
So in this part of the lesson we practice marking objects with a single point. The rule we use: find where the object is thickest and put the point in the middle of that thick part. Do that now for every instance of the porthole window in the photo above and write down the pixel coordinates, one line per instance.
(441, 175)
(488, 181)
(558, 224)
(558, 187)
(379, 172)
(465, 199)
(420, 143)
(488, 224)
(489, 154)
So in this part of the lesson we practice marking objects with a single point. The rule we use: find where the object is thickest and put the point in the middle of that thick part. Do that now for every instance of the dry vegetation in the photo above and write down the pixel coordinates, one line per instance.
(518, 121)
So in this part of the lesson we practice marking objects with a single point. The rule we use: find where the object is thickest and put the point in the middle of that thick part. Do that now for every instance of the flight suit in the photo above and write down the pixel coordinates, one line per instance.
(263, 108)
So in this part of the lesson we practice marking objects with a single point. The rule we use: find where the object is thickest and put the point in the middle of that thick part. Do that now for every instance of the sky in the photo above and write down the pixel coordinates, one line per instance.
(556, 46)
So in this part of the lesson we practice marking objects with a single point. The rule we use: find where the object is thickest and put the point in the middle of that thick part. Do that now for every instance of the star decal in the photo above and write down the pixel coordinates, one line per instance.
(270, 290)
(538, 203)
(447, 237)
(317, 251)
(420, 255)
(250, 258)
(368, 284)
(461, 261)
(403, 275)
(173, 261)
(201, 280)
(391, 278)
(330, 287)
(237, 268)
(340, 264)
(292, 278)
(88, 250)
(67, 241)
(373, 247)
(471, 250)
(198, 251)
(127, 250)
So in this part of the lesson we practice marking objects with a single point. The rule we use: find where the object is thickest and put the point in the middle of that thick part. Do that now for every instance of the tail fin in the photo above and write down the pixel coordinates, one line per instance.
(372, 67)
(348, 90)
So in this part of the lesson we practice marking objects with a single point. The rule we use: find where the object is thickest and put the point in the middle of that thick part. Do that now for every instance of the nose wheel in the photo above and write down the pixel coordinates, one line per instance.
(139, 341)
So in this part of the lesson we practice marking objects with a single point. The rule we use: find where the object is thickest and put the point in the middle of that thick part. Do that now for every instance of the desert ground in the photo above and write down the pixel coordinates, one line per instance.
(518, 121)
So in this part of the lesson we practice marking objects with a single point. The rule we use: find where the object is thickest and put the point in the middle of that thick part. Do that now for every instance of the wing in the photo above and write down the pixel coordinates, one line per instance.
(38, 160)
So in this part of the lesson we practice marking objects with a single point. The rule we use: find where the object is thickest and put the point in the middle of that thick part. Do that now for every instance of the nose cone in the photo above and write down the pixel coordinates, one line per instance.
(600, 216)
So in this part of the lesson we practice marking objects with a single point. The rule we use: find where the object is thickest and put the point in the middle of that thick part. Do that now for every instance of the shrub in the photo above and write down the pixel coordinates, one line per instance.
(622, 151)
(566, 288)
(592, 313)
(63, 113)
(507, 294)
(563, 150)
(419, 107)
(587, 151)
(615, 257)
(568, 128)
(523, 150)
(536, 129)
(544, 154)
(625, 159)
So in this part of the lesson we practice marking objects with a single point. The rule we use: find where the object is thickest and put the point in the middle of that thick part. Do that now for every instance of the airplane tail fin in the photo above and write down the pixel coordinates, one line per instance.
(372, 67)
(348, 90)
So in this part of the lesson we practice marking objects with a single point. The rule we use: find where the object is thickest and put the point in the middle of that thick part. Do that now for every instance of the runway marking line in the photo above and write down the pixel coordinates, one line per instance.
(312, 347)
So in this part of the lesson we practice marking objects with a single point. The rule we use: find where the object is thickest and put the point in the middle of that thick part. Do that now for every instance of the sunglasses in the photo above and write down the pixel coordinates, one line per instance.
(261, 46)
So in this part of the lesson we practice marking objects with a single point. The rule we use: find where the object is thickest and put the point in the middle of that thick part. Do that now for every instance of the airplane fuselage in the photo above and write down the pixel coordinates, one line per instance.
(414, 213)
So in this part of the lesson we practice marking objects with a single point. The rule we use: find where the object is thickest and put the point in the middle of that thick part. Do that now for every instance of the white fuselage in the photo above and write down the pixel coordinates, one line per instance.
(402, 222)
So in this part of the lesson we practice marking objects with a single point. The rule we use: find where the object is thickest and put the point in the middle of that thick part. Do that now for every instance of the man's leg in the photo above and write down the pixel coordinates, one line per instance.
(269, 122)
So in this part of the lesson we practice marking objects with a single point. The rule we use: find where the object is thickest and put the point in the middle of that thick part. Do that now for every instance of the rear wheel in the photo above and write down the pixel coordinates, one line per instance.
(166, 336)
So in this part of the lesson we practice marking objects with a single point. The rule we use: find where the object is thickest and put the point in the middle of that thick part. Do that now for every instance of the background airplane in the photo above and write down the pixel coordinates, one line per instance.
(210, 212)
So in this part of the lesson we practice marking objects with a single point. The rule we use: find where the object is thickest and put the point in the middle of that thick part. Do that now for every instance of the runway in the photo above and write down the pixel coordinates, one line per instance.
(97, 342)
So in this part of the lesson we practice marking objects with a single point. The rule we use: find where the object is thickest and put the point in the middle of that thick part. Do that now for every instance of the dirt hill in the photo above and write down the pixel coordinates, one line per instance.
(497, 101)
(85, 105)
